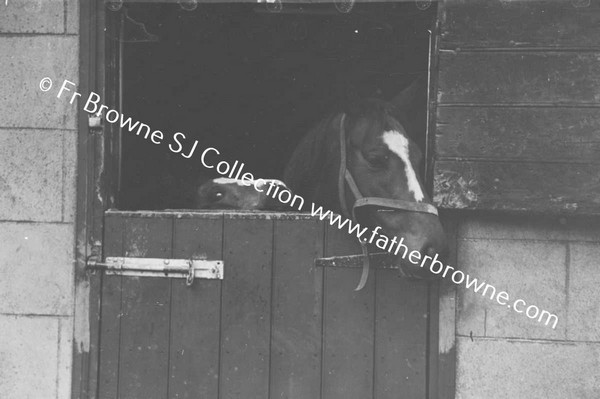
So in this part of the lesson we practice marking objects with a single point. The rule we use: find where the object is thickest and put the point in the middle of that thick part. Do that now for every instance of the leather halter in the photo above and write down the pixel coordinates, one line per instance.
(345, 177)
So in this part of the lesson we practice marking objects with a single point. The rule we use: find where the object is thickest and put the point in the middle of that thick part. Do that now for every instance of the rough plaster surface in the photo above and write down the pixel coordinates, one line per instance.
(28, 357)
(584, 292)
(31, 175)
(501, 369)
(32, 16)
(530, 270)
(25, 61)
(69, 176)
(65, 358)
(72, 16)
(36, 268)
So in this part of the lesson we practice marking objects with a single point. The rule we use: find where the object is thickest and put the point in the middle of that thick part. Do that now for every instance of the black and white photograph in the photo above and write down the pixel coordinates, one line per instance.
(300, 199)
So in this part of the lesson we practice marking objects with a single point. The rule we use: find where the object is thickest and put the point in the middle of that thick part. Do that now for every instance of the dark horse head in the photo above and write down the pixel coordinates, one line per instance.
(384, 162)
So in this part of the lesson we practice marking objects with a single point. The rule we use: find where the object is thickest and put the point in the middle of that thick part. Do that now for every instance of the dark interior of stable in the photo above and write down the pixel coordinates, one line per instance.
(250, 81)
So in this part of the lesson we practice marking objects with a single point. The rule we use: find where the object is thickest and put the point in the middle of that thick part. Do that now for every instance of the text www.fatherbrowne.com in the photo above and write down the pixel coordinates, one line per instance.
(179, 145)
(458, 277)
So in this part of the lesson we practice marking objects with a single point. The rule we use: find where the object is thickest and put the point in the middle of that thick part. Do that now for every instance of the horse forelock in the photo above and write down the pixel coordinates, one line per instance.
(382, 115)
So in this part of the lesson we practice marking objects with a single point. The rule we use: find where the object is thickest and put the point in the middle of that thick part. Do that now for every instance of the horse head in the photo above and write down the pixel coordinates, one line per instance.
(369, 139)
(225, 193)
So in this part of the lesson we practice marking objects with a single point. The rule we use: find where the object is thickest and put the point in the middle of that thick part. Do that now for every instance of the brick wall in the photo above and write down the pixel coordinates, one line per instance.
(554, 265)
(37, 198)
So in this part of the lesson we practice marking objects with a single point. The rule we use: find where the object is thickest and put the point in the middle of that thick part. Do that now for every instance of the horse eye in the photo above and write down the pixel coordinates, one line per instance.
(217, 195)
(378, 161)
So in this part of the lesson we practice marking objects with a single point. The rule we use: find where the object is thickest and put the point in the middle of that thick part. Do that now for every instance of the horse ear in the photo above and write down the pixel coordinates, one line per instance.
(409, 107)
(410, 94)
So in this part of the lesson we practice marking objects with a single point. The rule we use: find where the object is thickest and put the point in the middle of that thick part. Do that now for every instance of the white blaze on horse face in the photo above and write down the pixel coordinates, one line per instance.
(398, 144)
(226, 180)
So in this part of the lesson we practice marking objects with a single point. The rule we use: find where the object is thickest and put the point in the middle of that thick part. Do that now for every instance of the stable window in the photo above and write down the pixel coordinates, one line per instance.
(250, 80)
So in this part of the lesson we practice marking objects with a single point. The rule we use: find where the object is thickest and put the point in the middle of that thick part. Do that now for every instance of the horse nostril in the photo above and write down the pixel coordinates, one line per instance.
(430, 251)
(437, 252)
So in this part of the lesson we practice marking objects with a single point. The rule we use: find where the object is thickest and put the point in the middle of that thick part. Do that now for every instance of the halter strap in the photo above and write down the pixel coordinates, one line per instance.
(344, 172)
(345, 177)
(419, 207)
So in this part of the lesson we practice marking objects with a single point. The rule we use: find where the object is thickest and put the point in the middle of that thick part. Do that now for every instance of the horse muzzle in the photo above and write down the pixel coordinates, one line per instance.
(422, 248)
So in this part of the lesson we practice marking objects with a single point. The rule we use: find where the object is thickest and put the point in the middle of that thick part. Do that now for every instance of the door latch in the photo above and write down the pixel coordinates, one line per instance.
(189, 269)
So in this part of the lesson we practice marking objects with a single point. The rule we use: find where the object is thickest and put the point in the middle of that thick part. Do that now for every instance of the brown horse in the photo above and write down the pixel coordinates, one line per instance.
(362, 162)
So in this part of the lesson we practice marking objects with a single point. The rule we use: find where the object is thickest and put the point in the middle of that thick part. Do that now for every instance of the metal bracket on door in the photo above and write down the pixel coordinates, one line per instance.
(379, 260)
(189, 269)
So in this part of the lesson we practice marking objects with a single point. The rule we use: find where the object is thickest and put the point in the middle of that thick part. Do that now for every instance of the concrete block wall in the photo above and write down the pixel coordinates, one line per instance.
(551, 263)
(37, 198)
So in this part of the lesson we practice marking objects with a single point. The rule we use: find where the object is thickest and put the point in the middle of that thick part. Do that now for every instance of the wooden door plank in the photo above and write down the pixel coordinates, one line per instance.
(144, 349)
(445, 384)
(110, 313)
(297, 305)
(246, 308)
(520, 24)
(516, 77)
(348, 325)
(195, 312)
(517, 133)
(400, 336)
(538, 187)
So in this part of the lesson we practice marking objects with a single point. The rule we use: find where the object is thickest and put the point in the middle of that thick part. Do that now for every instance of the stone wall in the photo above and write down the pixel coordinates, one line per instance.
(551, 263)
(37, 199)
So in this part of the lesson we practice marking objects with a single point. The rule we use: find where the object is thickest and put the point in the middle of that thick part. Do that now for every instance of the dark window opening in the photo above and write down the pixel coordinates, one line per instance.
(250, 82)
